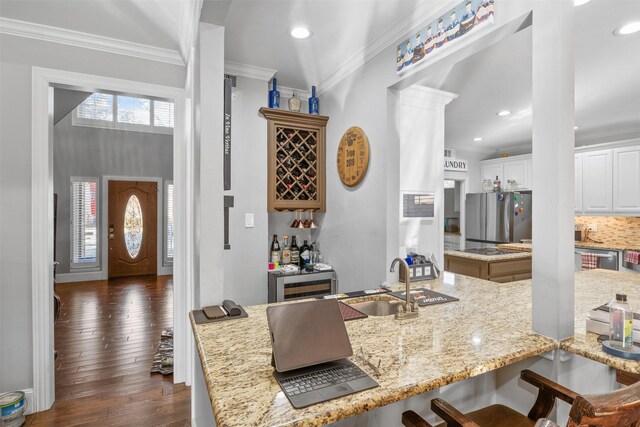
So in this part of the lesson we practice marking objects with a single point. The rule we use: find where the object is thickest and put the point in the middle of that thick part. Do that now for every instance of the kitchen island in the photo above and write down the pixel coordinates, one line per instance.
(496, 265)
(490, 327)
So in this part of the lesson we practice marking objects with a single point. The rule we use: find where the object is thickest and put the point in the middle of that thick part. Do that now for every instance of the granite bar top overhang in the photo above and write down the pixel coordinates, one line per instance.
(488, 328)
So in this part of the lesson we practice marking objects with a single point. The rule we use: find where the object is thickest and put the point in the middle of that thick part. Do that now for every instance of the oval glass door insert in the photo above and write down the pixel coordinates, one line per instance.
(133, 226)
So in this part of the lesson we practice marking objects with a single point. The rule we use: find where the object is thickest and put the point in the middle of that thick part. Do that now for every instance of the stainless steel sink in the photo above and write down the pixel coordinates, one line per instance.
(376, 308)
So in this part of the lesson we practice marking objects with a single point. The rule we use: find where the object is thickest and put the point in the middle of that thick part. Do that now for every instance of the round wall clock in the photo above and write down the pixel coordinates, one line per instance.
(353, 156)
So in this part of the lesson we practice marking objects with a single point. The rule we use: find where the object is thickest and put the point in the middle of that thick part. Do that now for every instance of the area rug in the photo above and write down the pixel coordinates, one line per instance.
(163, 360)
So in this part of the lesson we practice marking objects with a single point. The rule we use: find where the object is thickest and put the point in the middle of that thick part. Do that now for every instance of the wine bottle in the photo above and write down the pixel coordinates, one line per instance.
(304, 254)
(295, 251)
(275, 249)
(286, 251)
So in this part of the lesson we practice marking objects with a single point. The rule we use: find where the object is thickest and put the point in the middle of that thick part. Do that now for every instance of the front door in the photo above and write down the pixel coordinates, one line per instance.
(132, 230)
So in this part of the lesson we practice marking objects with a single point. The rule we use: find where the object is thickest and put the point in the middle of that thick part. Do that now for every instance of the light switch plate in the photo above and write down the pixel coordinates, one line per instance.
(248, 220)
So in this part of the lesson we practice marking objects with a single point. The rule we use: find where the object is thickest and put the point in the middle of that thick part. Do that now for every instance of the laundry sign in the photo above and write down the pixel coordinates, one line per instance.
(456, 165)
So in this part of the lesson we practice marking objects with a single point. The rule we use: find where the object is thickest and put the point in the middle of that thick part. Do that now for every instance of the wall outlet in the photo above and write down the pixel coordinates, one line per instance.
(248, 220)
(593, 227)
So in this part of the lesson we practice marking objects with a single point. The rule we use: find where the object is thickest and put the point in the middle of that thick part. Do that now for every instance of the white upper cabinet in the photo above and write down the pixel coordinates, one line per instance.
(597, 180)
(578, 182)
(491, 171)
(516, 169)
(626, 179)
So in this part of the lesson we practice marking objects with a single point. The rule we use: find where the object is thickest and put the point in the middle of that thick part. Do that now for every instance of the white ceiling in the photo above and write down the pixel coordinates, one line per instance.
(157, 23)
(257, 33)
(607, 87)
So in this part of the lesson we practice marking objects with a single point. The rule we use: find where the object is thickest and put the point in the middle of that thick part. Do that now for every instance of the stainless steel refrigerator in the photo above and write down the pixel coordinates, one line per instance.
(494, 218)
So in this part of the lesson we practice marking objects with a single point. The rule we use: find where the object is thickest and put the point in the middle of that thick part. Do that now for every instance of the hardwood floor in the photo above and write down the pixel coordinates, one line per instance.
(106, 337)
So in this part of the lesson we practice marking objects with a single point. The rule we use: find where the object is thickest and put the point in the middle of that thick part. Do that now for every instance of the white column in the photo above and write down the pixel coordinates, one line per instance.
(209, 111)
(418, 123)
(553, 168)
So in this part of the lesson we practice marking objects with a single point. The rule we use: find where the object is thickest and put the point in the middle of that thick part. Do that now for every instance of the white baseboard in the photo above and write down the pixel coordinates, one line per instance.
(165, 271)
(79, 277)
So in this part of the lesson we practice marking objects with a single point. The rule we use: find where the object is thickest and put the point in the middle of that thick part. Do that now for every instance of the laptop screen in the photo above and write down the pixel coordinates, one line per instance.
(307, 333)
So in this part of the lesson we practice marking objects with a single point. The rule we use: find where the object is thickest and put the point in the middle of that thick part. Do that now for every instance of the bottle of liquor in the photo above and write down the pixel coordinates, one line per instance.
(274, 96)
(620, 323)
(305, 251)
(275, 249)
(295, 251)
(286, 251)
(313, 102)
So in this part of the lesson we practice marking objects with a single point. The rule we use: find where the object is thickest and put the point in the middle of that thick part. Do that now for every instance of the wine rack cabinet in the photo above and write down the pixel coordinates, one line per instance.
(297, 161)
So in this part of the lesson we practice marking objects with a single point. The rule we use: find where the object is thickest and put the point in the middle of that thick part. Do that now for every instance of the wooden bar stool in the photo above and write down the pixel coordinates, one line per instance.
(619, 408)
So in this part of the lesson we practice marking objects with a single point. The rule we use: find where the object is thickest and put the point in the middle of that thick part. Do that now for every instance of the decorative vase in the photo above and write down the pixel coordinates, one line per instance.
(294, 103)
(274, 96)
(314, 102)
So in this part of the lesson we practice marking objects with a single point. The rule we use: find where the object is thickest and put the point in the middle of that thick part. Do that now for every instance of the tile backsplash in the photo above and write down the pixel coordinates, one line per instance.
(612, 229)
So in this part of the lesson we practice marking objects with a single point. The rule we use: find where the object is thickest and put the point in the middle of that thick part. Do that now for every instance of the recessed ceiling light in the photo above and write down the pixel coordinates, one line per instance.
(300, 33)
(580, 2)
(503, 113)
(630, 28)
(477, 139)
(576, 128)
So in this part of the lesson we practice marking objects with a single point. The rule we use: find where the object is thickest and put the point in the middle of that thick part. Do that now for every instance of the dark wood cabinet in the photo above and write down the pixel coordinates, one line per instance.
(297, 161)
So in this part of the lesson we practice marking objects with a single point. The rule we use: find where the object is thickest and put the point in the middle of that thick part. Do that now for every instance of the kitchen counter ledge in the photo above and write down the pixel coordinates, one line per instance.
(490, 258)
(488, 328)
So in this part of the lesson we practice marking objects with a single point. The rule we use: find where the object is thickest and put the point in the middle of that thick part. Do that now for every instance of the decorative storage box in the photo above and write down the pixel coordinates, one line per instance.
(419, 272)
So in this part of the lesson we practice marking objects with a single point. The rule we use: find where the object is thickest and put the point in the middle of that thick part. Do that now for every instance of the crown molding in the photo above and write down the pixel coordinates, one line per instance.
(484, 150)
(395, 32)
(47, 33)
(250, 71)
(615, 132)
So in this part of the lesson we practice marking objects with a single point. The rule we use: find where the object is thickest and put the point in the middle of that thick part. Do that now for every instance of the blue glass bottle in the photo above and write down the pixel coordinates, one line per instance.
(314, 107)
(274, 96)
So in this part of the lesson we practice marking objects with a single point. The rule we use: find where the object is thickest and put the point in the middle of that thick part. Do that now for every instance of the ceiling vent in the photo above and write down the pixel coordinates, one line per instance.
(449, 152)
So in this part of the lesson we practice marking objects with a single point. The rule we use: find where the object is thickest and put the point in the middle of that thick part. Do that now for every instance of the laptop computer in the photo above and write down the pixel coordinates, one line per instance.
(310, 349)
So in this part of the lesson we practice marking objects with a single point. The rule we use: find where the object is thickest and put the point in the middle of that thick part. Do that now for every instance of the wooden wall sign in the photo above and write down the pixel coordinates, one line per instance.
(353, 156)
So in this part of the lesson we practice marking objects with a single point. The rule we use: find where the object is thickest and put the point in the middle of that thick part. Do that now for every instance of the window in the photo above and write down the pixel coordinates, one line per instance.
(124, 112)
(135, 111)
(98, 106)
(163, 114)
(168, 229)
(84, 222)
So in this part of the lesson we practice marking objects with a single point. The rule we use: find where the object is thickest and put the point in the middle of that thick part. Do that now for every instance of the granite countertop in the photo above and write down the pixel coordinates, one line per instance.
(592, 289)
(616, 246)
(488, 328)
(480, 257)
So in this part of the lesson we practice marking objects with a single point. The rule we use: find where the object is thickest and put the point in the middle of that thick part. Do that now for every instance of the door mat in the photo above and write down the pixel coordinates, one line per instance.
(163, 360)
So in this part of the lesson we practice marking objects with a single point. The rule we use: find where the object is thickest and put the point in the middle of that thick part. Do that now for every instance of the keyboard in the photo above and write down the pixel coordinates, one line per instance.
(320, 379)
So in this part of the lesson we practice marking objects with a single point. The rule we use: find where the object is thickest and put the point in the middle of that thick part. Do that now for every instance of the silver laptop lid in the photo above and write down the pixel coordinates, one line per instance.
(307, 333)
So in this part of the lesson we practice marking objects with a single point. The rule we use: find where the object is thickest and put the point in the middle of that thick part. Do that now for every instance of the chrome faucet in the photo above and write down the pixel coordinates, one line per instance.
(409, 311)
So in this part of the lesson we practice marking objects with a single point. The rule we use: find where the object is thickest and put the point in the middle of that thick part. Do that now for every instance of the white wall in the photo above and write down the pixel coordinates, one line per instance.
(95, 152)
(245, 264)
(17, 56)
